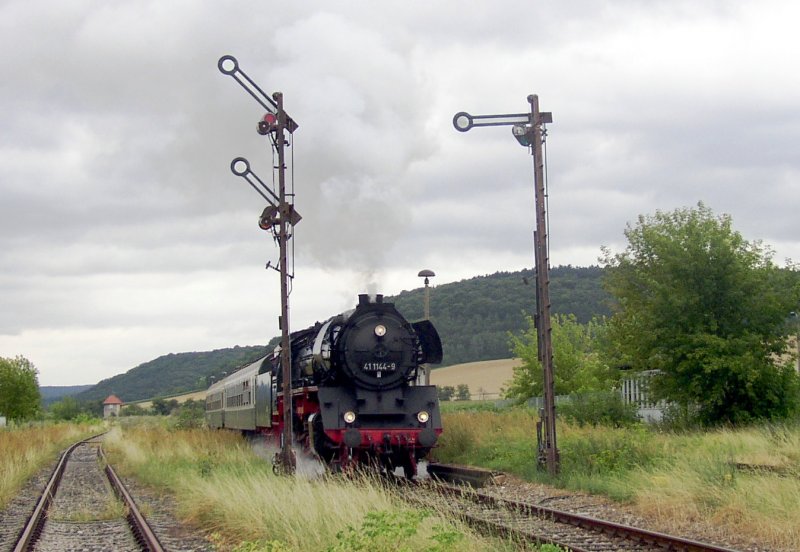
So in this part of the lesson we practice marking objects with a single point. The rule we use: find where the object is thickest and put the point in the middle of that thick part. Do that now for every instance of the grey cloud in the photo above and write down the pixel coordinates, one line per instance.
(120, 217)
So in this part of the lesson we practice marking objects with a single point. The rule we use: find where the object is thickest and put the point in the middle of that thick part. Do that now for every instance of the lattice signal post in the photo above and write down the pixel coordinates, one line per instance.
(528, 129)
(279, 218)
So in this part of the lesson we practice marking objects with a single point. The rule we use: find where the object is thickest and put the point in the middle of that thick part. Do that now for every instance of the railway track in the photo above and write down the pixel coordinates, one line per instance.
(85, 507)
(536, 523)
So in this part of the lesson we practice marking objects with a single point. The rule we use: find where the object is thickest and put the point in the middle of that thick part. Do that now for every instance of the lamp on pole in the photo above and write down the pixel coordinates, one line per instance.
(528, 129)
(427, 274)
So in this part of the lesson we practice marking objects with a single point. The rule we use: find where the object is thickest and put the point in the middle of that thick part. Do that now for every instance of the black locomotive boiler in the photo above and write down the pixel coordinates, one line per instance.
(355, 393)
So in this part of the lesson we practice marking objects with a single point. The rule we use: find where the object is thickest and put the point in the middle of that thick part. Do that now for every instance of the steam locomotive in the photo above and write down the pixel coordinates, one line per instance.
(355, 399)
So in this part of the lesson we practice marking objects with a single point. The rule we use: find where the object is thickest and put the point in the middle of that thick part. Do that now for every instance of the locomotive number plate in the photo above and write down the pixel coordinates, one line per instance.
(379, 367)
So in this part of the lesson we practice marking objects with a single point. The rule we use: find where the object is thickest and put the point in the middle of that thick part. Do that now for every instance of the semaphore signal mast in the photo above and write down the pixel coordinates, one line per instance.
(279, 217)
(529, 130)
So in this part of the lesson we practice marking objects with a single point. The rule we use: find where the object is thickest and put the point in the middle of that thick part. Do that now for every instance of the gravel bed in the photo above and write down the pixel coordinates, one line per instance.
(603, 508)
(70, 527)
(85, 515)
(160, 510)
(87, 536)
(16, 513)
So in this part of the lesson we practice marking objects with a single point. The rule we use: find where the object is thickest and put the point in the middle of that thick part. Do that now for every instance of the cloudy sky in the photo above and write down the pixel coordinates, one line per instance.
(124, 235)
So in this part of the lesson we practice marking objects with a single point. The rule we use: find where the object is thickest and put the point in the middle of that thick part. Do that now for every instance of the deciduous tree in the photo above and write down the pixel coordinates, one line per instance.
(707, 308)
(19, 388)
(66, 409)
(576, 367)
(446, 392)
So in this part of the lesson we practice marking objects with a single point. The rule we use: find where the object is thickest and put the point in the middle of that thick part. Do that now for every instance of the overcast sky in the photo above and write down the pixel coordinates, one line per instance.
(124, 235)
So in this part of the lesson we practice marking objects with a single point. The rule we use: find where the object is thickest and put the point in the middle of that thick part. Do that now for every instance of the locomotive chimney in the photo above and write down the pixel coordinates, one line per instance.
(379, 298)
(363, 299)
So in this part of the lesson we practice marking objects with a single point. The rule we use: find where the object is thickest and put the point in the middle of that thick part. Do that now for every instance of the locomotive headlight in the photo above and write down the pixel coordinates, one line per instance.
(349, 417)
(380, 330)
(423, 416)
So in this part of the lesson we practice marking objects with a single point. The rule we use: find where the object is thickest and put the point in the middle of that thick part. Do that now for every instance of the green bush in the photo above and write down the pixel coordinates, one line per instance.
(462, 392)
(446, 392)
(191, 414)
(604, 408)
(679, 418)
(392, 531)
(134, 410)
(607, 451)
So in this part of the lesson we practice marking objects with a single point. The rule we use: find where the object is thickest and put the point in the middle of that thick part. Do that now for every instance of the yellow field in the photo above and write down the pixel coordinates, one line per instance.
(195, 395)
(485, 378)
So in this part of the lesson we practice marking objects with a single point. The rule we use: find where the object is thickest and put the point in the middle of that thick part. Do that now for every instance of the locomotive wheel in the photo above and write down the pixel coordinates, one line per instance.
(410, 466)
(321, 444)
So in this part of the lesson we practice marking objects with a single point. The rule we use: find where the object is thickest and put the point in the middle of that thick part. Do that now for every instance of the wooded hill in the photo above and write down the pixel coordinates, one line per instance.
(473, 316)
(53, 393)
(172, 374)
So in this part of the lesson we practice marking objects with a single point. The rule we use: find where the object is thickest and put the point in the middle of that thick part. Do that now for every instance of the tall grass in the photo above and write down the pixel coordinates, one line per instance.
(222, 486)
(24, 451)
(503, 440)
(676, 478)
(697, 480)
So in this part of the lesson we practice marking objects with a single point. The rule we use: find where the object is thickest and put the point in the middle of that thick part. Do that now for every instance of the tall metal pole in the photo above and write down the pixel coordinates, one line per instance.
(288, 459)
(426, 309)
(427, 300)
(528, 129)
(541, 258)
(427, 317)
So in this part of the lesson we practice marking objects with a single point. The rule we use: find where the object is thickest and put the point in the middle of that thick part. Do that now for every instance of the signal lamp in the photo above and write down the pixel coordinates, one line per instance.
(523, 134)
(268, 218)
(380, 330)
(349, 417)
(268, 123)
(423, 416)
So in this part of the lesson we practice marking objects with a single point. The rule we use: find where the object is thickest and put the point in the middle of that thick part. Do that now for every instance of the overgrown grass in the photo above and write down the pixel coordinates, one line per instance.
(677, 478)
(222, 486)
(503, 440)
(24, 451)
(472, 406)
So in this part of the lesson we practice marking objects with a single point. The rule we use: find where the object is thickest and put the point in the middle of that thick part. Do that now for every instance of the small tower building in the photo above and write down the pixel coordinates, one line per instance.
(111, 406)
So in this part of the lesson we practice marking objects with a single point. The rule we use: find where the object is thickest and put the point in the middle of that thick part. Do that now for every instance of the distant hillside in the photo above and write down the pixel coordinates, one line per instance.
(53, 393)
(173, 373)
(473, 317)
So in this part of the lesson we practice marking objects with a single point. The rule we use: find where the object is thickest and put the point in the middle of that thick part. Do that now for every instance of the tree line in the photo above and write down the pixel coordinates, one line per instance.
(707, 310)
(474, 316)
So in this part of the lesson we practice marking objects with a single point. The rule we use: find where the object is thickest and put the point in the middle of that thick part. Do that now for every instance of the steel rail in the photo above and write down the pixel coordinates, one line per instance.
(503, 530)
(32, 530)
(142, 531)
(613, 529)
(33, 527)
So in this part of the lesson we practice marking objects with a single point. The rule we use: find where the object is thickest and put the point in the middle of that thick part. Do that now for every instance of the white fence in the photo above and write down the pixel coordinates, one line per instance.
(636, 390)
